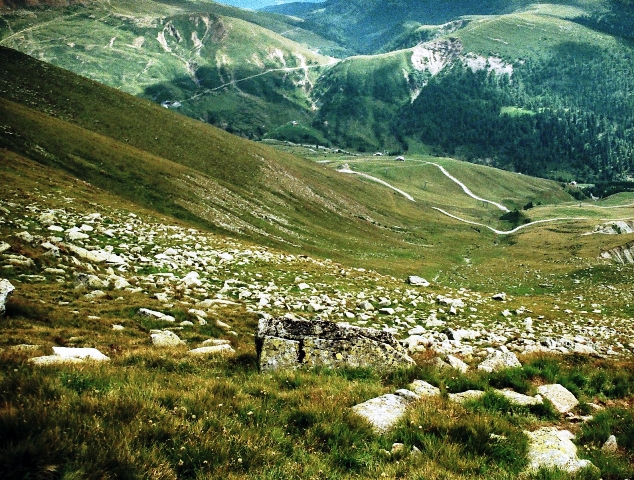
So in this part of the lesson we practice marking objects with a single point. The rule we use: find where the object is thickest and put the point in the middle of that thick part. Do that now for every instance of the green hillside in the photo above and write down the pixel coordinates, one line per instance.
(209, 61)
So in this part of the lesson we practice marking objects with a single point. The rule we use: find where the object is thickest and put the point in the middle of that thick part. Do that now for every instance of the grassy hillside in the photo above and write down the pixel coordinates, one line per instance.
(211, 59)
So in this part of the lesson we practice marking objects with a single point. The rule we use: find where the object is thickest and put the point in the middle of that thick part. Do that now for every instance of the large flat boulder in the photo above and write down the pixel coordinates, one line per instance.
(284, 343)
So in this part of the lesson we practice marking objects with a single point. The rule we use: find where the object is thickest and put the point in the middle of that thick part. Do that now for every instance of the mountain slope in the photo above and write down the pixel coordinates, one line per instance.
(188, 54)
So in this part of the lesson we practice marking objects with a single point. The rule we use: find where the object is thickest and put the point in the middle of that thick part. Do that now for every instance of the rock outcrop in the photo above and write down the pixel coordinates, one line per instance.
(284, 343)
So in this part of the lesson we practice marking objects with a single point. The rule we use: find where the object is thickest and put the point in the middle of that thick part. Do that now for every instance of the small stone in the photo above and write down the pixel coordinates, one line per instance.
(397, 449)
(551, 448)
(610, 445)
(215, 341)
(81, 353)
(499, 297)
(463, 397)
(166, 338)
(223, 349)
(457, 364)
(382, 412)
(424, 389)
(146, 312)
(417, 281)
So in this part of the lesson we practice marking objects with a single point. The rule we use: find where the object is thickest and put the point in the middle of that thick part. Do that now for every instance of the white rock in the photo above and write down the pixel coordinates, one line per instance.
(610, 445)
(53, 360)
(55, 228)
(457, 364)
(520, 398)
(213, 350)
(561, 398)
(498, 360)
(552, 448)
(6, 289)
(303, 286)
(166, 338)
(192, 279)
(119, 282)
(76, 234)
(383, 412)
(81, 353)
(24, 235)
(146, 312)
(499, 297)
(418, 330)
(198, 313)
(223, 325)
(417, 281)
(4, 246)
(365, 306)
(117, 327)
(215, 341)
(386, 311)
(463, 397)
(424, 389)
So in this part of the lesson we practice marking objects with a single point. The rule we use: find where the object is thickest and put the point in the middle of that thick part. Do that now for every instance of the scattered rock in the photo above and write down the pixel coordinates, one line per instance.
(424, 389)
(610, 445)
(215, 341)
(365, 306)
(519, 398)
(24, 347)
(84, 280)
(463, 397)
(146, 312)
(6, 289)
(499, 360)
(53, 360)
(417, 281)
(397, 449)
(165, 338)
(383, 412)
(283, 343)
(223, 349)
(561, 398)
(81, 353)
(500, 297)
(457, 364)
(552, 448)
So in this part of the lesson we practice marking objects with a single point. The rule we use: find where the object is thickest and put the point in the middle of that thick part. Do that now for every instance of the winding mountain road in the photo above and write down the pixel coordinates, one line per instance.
(466, 190)
(469, 193)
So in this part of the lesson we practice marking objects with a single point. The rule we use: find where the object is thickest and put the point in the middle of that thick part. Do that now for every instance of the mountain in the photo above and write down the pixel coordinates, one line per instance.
(496, 83)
